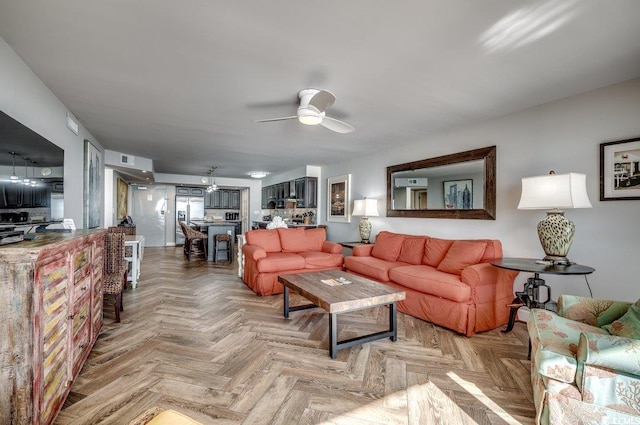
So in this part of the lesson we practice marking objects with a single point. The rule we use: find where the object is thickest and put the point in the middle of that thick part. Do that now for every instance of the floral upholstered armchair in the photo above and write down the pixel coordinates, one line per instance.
(585, 362)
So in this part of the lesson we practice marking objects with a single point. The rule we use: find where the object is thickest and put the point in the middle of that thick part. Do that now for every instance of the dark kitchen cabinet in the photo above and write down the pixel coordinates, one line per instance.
(234, 199)
(227, 199)
(11, 195)
(190, 191)
(265, 200)
(57, 187)
(41, 196)
(311, 192)
(17, 195)
(307, 192)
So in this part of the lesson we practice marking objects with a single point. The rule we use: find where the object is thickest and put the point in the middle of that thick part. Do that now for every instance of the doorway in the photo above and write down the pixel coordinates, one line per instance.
(149, 213)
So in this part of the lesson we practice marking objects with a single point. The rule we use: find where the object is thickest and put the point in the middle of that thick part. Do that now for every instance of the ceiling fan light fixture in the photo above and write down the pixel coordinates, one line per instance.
(258, 174)
(309, 115)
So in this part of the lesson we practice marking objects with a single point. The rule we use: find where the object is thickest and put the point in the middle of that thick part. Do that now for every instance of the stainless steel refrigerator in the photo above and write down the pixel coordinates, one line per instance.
(187, 208)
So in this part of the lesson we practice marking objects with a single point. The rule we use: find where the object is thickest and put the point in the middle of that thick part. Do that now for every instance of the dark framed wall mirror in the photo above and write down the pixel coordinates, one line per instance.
(460, 186)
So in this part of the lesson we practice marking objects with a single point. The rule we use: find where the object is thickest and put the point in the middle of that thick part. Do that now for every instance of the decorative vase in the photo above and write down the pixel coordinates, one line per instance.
(307, 220)
(365, 230)
(556, 232)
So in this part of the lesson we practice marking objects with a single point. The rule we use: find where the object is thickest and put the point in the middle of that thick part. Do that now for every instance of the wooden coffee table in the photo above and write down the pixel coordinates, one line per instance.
(361, 293)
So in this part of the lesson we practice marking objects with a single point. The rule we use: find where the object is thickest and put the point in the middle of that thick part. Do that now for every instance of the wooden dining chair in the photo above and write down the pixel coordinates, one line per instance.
(115, 269)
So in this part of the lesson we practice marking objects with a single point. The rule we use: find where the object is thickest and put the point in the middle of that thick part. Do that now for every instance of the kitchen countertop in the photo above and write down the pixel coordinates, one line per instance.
(215, 223)
(290, 225)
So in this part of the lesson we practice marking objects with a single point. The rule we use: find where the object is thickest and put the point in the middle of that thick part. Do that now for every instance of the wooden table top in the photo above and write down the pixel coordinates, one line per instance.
(361, 293)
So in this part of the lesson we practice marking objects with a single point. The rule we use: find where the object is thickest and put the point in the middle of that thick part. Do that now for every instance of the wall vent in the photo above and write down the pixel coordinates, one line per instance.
(127, 159)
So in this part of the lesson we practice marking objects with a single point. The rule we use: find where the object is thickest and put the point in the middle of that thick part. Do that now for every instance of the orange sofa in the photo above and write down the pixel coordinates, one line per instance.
(447, 282)
(269, 253)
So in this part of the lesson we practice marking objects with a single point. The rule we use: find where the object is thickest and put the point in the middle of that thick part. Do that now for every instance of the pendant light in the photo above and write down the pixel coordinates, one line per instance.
(14, 178)
(26, 172)
(33, 173)
(212, 183)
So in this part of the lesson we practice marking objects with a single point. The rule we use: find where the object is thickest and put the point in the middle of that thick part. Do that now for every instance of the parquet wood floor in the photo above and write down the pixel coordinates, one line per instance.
(194, 338)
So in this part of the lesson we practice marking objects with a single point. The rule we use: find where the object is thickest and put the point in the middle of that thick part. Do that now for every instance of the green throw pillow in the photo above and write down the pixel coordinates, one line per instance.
(628, 326)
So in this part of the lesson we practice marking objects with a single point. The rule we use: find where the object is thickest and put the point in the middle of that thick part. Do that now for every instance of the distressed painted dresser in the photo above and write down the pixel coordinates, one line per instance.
(50, 318)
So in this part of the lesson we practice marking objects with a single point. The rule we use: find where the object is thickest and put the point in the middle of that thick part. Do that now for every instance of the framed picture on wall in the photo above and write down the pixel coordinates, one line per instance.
(92, 185)
(620, 170)
(458, 194)
(123, 189)
(339, 198)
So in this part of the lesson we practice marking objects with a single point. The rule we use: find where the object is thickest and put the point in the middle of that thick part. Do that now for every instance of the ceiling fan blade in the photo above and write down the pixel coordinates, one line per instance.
(336, 125)
(322, 100)
(278, 119)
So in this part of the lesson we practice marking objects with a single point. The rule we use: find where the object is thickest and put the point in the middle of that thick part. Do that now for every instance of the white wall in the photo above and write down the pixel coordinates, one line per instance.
(26, 99)
(563, 136)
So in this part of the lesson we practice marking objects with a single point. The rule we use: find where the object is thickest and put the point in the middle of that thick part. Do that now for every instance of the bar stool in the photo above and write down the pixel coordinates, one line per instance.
(222, 243)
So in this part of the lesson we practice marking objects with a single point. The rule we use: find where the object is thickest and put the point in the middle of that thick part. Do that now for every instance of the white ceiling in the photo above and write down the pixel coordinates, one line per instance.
(182, 82)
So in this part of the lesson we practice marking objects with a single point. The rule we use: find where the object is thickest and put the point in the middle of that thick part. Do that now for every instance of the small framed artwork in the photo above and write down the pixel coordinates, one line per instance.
(338, 198)
(620, 170)
(458, 194)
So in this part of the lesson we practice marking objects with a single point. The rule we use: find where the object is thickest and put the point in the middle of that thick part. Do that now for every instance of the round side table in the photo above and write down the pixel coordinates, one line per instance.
(530, 296)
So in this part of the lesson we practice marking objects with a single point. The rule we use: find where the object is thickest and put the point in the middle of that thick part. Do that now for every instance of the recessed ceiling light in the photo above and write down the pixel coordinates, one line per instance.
(258, 174)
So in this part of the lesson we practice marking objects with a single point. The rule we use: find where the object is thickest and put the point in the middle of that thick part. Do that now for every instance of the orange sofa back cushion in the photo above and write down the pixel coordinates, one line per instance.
(315, 239)
(265, 239)
(293, 240)
(387, 246)
(412, 249)
(434, 251)
(461, 255)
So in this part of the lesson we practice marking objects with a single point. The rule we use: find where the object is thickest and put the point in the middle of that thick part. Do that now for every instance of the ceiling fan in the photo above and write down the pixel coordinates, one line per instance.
(313, 105)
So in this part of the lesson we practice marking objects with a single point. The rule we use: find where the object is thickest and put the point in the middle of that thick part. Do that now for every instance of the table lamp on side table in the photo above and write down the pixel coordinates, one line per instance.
(555, 192)
(365, 208)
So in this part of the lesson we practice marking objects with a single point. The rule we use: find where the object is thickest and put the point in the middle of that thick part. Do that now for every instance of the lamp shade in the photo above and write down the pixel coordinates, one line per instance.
(365, 207)
(554, 191)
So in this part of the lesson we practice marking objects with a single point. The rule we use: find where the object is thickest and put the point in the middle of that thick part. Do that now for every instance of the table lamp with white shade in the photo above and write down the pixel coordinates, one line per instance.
(365, 208)
(554, 193)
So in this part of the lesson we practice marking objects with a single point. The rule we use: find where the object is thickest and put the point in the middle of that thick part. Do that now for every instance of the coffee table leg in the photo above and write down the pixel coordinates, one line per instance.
(333, 335)
(286, 302)
(393, 322)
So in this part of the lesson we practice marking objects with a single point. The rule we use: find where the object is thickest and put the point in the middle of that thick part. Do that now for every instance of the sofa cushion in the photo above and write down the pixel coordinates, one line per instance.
(265, 239)
(591, 311)
(426, 279)
(412, 249)
(628, 325)
(315, 239)
(371, 267)
(292, 239)
(555, 343)
(321, 260)
(462, 254)
(280, 261)
(387, 246)
(434, 251)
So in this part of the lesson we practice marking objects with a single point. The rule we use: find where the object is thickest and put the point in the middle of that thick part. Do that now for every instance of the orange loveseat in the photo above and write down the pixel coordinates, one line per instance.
(447, 282)
(269, 253)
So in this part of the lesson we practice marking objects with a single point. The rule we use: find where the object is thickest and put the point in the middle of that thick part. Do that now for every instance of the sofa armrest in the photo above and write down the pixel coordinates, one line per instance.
(592, 311)
(331, 247)
(253, 251)
(608, 372)
(363, 250)
(485, 274)
(610, 352)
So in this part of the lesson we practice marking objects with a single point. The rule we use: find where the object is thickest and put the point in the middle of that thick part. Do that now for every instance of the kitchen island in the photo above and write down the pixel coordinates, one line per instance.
(212, 228)
(50, 318)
